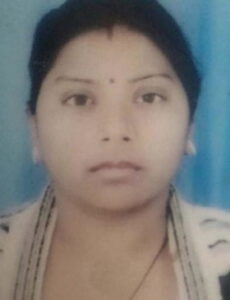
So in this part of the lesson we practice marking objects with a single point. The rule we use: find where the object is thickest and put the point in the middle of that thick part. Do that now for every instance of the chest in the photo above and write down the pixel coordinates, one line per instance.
(72, 282)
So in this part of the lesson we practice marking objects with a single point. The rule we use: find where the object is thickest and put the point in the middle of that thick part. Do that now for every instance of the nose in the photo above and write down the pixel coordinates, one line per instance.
(117, 125)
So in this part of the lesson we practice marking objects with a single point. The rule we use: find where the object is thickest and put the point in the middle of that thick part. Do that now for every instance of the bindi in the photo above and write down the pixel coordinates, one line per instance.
(111, 80)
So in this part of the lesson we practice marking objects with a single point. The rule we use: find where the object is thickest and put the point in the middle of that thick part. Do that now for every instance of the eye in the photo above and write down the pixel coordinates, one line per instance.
(78, 100)
(151, 98)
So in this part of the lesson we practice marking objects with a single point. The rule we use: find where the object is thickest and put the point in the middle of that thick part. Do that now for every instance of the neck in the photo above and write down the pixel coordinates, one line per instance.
(92, 235)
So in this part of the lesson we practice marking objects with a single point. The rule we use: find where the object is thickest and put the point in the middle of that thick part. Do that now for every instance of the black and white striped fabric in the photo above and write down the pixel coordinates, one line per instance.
(199, 240)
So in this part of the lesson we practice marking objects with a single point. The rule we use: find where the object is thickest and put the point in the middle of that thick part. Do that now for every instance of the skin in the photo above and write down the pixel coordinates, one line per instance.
(104, 101)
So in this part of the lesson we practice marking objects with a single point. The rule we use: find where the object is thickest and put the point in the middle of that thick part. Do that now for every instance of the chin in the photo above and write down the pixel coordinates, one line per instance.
(116, 204)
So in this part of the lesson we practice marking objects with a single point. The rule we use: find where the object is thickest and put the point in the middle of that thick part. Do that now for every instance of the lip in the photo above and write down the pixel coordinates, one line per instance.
(115, 165)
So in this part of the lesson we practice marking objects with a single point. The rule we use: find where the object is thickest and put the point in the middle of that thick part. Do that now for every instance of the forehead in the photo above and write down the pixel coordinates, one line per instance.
(122, 53)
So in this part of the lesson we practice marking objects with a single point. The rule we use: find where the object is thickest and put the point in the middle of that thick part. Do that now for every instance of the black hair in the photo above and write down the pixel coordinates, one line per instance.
(77, 17)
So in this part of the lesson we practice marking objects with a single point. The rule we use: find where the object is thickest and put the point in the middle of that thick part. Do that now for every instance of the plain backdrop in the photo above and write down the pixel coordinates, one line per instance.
(203, 179)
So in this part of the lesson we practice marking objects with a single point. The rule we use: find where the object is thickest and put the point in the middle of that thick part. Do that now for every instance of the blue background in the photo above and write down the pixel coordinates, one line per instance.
(203, 179)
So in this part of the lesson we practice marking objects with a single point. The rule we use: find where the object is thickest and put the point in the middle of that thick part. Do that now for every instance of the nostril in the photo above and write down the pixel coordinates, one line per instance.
(126, 138)
(106, 139)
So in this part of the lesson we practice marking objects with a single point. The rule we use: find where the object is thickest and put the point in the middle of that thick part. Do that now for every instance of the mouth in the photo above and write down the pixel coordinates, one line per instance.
(121, 165)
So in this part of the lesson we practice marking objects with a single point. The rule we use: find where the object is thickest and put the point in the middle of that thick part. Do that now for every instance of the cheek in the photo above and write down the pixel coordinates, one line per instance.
(166, 138)
(63, 142)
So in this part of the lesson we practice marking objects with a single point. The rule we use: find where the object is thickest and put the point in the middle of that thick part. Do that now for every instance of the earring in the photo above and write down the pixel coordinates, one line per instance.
(36, 155)
(190, 148)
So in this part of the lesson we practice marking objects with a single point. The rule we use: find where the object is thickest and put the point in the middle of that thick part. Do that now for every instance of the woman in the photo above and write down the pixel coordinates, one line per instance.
(114, 90)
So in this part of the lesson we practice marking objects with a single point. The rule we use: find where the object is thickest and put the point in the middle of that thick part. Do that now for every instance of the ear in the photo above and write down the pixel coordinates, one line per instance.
(190, 148)
(36, 152)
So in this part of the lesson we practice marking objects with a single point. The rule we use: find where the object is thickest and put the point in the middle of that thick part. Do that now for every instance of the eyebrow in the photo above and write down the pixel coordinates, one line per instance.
(74, 79)
(133, 80)
(161, 75)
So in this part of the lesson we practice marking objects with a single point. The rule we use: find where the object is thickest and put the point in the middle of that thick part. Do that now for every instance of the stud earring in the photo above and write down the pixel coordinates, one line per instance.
(36, 155)
(190, 148)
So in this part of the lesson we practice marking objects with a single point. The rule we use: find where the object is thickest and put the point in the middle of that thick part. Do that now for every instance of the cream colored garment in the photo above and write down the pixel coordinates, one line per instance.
(198, 237)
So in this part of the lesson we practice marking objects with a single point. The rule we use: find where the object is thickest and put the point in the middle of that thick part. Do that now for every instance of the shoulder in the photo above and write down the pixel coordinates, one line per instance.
(19, 216)
(15, 223)
(16, 219)
(207, 214)
(211, 228)
(14, 228)
(213, 223)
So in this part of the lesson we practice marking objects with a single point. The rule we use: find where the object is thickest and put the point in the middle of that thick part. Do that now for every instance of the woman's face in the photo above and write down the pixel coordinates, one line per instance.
(107, 101)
